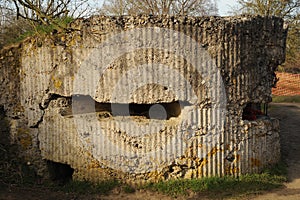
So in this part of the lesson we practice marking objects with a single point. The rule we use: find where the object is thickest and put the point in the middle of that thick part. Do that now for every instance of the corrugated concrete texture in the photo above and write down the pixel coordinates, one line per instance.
(146, 98)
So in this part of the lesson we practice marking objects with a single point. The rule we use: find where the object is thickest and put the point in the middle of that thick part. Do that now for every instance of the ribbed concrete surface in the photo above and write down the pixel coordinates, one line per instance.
(214, 67)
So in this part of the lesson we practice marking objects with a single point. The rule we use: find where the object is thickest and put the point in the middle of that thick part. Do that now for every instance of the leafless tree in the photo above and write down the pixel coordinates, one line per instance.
(9, 26)
(20, 18)
(195, 7)
(159, 7)
(281, 8)
(46, 11)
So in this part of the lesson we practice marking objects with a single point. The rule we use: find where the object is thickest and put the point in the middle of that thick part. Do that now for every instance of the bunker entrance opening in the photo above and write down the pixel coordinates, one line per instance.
(60, 172)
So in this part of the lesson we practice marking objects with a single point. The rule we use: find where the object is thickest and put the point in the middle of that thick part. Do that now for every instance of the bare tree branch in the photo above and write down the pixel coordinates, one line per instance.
(159, 7)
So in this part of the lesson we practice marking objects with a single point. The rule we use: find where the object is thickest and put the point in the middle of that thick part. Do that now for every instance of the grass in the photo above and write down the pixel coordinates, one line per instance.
(286, 99)
(128, 189)
(41, 29)
(225, 187)
(214, 187)
(85, 187)
(100, 188)
(13, 171)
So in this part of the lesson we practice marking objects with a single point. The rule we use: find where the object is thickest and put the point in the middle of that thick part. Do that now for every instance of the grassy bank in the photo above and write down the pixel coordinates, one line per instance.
(286, 99)
(225, 187)
(212, 188)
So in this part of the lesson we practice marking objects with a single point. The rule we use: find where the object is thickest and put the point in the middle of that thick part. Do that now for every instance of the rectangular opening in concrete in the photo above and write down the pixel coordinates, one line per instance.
(82, 104)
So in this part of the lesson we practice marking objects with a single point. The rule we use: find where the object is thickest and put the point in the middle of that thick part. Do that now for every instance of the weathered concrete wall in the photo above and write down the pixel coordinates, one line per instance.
(211, 67)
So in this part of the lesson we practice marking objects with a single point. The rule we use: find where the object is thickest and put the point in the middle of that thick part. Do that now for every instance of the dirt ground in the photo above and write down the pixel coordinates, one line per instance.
(289, 116)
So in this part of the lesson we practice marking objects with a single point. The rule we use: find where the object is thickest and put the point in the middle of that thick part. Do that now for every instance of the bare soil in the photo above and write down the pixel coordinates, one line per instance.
(289, 116)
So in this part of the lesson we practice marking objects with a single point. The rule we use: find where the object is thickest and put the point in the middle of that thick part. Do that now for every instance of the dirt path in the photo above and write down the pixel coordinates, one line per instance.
(289, 116)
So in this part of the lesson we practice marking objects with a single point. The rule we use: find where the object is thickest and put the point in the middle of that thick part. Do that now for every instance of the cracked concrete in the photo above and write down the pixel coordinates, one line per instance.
(110, 132)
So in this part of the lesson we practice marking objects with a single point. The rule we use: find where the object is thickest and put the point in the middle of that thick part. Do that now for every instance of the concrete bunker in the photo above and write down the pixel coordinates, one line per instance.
(146, 98)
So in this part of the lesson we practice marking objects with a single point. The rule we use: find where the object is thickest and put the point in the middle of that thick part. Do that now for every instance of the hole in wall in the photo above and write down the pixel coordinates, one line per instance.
(161, 111)
(254, 111)
(82, 104)
(2, 111)
(5, 139)
(59, 172)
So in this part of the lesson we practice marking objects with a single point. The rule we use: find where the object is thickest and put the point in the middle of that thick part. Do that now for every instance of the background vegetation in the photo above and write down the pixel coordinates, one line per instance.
(158, 7)
(21, 18)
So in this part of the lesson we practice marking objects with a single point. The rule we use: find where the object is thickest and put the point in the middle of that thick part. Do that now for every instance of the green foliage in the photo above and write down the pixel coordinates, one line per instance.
(159, 7)
(216, 187)
(13, 171)
(85, 187)
(59, 25)
(280, 169)
(128, 189)
(293, 46)
(22, 29)
(284, 9)
(286, 99)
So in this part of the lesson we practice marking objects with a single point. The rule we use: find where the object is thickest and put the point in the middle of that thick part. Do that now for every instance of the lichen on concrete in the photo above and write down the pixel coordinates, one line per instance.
(55, 121)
